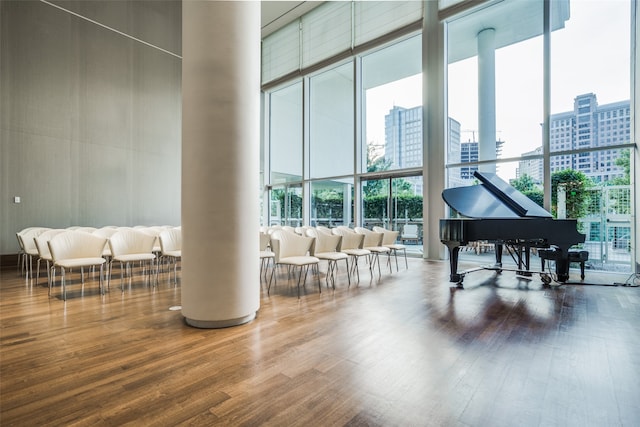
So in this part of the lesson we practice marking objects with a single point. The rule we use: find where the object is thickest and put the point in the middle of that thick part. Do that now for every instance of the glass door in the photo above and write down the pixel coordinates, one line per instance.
(286, 205)
(395, 203)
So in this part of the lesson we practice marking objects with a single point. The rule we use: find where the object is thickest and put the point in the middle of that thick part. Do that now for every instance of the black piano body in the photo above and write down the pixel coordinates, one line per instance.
(496, 212)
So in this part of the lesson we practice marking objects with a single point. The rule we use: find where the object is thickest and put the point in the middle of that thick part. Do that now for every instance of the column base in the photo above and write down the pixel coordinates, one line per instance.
(219, 324)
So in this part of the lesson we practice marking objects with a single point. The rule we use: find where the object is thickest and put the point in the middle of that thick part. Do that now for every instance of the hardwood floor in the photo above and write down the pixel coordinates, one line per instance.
(405, 350)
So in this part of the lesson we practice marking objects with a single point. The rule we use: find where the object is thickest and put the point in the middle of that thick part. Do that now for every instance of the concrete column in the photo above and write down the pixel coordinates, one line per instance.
(220, 168)
(486, 98)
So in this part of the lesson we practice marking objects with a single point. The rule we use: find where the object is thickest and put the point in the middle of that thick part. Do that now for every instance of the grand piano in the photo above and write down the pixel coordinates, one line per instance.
(498, 213)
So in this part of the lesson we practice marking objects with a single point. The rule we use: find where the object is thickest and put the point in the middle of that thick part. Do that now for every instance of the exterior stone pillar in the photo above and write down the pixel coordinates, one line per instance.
(487, 98)
(220, 167)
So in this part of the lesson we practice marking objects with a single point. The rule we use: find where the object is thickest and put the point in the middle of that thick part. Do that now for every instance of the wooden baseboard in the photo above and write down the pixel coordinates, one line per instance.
(8, 261)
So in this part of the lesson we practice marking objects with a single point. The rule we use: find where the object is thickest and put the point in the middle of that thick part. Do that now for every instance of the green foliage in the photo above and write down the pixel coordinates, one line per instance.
(536, 195)
(624, 161)
(328, 204)
(577, 196)
(376, 207)
(524, 184)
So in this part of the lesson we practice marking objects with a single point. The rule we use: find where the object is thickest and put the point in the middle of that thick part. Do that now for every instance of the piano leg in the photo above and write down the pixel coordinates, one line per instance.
(562, 268)
(453, 264)
(498, 251)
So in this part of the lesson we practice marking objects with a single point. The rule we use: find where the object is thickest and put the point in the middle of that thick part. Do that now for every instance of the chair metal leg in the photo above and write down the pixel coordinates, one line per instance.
(273, 270)
(64, 288)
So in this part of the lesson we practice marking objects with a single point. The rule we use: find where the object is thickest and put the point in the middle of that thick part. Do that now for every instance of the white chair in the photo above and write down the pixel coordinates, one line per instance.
(129, 246)
(266, 255)
(293, 250)
(42, 244)
(389, 240)
(352, 245)
(373, 243)
(171, 248)
(28, 245)
(323, 229)
(106, 232)
(410, 232)
(327, 248)
(73, 249)
(22, 255)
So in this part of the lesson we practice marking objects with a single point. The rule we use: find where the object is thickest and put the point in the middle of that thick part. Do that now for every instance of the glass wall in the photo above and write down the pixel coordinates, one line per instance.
(332, 203)
(331, 122)
(286, 205)
(496, 93)
(520, 103)
(395, 204)
(495, 87)
(392, 106)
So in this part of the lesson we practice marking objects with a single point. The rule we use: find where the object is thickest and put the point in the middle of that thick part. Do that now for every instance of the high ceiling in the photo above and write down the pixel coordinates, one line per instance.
(277, 14)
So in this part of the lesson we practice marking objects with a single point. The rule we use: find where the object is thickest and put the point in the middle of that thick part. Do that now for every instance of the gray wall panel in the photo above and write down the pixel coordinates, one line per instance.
(150, 20)
(90, 119)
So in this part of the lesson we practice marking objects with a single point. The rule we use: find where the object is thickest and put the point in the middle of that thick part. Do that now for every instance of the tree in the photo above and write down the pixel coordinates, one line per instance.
(576, 184)
(375, 163)
(527, 186)
(524, 183)
(623, 162)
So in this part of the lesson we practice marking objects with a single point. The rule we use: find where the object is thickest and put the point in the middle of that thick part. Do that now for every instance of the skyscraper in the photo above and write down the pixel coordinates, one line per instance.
(586, 127)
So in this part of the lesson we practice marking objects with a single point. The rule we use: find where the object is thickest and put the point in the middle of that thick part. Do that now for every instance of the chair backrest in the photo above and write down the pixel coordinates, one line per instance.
(42, 240)
(170, 239)
(324, 242)
(323, 229)
(345, 228)
(105, 232)
(264, 241)
(302, 230)
(410, 230)
(126, 242)
(389, 237)
(76, 244)
(286, 244)
(350, 239)
(86, 229)
(371, 238)
(27, 238)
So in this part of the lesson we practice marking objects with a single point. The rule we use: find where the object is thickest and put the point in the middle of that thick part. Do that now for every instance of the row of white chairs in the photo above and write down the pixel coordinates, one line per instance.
(304, 247)
(81, 247)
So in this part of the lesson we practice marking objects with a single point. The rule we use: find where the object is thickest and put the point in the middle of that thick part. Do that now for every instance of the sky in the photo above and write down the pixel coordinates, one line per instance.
(587, 56)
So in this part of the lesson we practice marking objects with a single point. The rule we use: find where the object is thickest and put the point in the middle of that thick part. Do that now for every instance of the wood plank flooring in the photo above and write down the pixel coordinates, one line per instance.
(407, 349)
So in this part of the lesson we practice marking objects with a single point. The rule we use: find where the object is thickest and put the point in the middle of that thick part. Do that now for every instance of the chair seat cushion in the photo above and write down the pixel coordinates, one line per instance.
(79, 262)
(299, 260)
(267, 254)
(379, 249)
(334, 256)
(395, 246)
(134, 257)
(356, 252)
(176, 254)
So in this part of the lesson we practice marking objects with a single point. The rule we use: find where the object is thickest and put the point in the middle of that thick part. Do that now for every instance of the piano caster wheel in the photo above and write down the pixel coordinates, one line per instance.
(546, 279)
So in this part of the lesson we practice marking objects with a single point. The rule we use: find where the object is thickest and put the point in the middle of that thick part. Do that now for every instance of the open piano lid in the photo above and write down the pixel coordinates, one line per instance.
(493, 198)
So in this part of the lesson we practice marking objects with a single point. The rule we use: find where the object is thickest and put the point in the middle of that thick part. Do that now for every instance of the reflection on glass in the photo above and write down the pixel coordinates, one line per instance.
(285, 127)
(331, 122)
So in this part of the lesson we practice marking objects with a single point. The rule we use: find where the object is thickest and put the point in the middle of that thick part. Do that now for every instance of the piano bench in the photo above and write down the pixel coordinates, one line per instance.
(574, 256)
